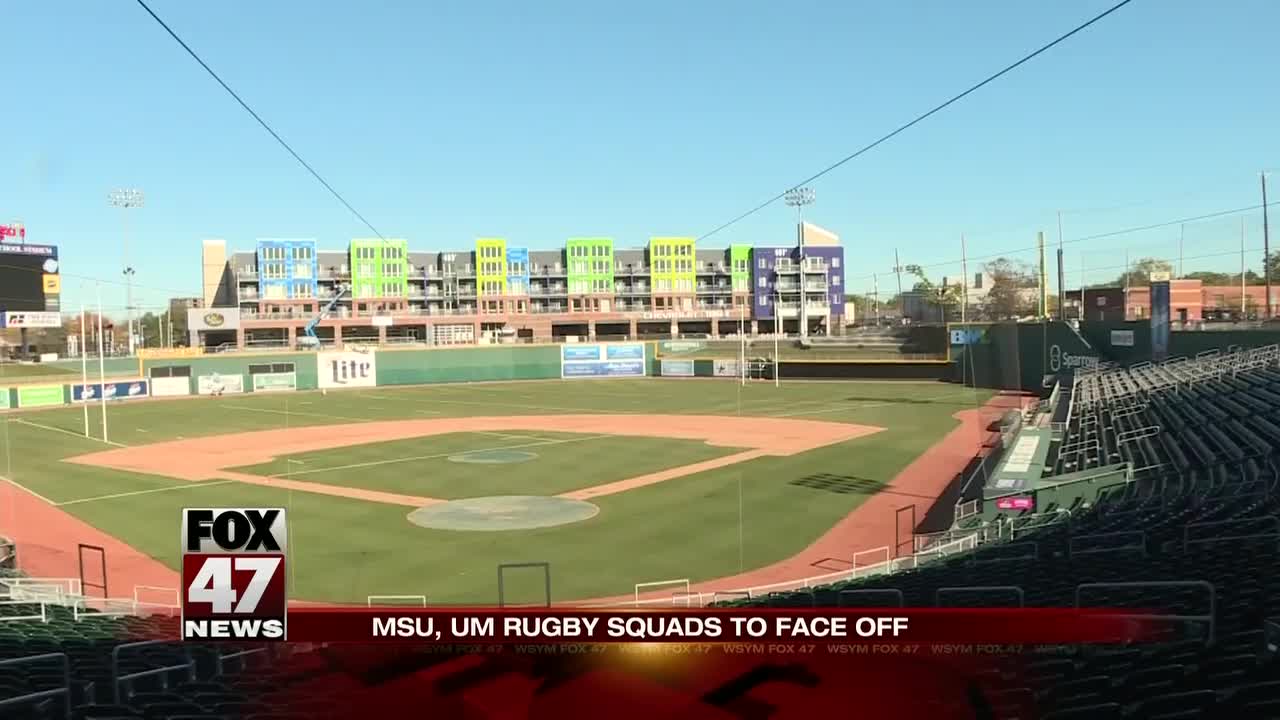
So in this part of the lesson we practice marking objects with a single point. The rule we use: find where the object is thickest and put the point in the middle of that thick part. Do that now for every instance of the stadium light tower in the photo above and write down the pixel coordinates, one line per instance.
(125, 200)
(798, 198)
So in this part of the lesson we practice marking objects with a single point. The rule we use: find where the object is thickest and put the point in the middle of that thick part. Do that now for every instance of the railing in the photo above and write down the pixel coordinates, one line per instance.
(29, 698)
(1128, 540)
(1273, 531)
(162, 672)
(975, 589)
(1209, 617)
(42, 616)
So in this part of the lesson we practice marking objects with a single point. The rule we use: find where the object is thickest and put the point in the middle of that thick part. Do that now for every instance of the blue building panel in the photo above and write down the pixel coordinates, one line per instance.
(287, 269)
(517, 271)
(764, 275)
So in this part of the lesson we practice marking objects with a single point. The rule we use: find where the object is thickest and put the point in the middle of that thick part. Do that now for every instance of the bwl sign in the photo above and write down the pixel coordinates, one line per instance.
(347, 369)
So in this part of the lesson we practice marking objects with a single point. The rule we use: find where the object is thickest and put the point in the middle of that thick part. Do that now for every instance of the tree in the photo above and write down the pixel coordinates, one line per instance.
(1212, 278)
(1139, 272)
(1012, 291)
(946, 295)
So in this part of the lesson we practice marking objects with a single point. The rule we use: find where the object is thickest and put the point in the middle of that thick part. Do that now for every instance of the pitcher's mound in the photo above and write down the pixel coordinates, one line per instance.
(493, 457)
(505, 512)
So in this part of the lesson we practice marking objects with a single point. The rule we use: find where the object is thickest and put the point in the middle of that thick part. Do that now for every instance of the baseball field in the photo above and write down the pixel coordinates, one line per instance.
(422, 492)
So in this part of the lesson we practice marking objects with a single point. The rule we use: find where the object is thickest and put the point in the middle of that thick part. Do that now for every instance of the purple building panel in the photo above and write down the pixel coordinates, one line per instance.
(764, 275)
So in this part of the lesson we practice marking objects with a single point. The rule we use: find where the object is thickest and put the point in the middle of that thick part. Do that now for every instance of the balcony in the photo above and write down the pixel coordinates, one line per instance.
(815, 265)
(712, 268)
(551, 271)
(811, 286)
(247, 273)
(629, 269)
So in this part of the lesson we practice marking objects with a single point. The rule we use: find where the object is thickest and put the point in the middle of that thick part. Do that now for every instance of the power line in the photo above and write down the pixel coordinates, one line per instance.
(261, 122)
(920, 118)
(1087, 238)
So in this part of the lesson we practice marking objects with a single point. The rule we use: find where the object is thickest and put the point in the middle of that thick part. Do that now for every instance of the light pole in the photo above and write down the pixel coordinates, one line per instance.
(798, 198)
(126, 199)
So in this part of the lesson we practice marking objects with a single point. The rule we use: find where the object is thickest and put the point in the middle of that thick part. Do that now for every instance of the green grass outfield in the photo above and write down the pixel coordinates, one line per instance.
(702, 526)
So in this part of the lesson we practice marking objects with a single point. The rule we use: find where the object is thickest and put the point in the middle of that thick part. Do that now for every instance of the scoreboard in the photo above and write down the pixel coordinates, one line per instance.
(30, 279)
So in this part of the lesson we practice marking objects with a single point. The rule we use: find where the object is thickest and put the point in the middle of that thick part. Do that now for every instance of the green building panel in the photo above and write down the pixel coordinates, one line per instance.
(491, 267)
(590, 265)
(379, 268)
(672, 263)
(740, 267)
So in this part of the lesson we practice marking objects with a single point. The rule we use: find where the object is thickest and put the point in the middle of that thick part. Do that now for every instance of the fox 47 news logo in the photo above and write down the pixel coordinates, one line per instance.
(233, 581)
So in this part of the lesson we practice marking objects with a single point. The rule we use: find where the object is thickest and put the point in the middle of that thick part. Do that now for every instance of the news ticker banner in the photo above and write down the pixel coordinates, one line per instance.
(233, 578)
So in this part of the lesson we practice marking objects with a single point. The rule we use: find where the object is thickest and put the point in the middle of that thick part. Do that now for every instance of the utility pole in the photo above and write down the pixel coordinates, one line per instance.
(1062, 275)
(1243, 295)
(964, 281)
(875, 294)
(1182, 236)
(1266, 246)
(902, 303)
(1044, 289)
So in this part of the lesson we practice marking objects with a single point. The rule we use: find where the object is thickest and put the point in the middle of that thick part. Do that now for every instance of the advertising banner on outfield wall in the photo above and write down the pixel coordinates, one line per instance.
(347, 368)
(215, 383)
(128, 390)
(727, 368)
(604, 360)
(39, 396)
(622, 368)
(1122, 338)
(170, 386)
(4, 398)
(677, 368)
(275, 382)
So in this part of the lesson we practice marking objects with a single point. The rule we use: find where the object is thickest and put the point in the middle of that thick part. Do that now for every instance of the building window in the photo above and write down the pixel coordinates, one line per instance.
(835, 262)
(835, 280)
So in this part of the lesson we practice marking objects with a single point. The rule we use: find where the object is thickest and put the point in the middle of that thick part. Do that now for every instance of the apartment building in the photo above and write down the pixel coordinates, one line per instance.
(381, 290)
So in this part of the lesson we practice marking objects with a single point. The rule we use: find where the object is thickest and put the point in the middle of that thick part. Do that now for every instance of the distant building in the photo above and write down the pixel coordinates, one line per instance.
(587, 288)
(1189, 301)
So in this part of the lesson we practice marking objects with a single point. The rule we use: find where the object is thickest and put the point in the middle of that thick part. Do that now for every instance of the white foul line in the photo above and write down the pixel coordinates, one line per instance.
(112, 496)
(24, 488)
(391, 461)
(509, 436)
(68, 432)
(296, 412)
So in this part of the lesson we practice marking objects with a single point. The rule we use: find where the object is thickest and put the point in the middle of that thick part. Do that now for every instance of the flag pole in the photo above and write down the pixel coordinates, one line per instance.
(84, 369)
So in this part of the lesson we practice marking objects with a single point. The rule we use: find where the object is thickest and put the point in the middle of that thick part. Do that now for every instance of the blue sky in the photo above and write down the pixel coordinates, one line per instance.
(445, 121)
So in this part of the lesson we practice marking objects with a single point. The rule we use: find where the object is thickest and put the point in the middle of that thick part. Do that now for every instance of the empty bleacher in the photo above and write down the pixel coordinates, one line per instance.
(1195, 536)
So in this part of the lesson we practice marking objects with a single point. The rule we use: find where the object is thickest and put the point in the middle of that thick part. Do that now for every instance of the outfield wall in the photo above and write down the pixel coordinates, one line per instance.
(1130, 342)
